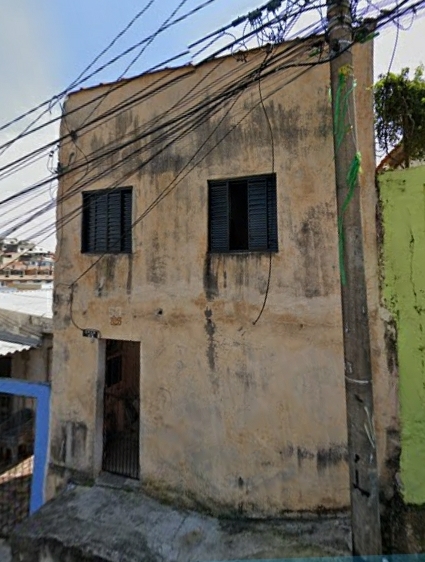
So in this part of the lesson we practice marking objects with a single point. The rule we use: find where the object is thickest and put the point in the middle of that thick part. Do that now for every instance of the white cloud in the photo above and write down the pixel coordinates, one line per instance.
(405, 49)
(28, 77)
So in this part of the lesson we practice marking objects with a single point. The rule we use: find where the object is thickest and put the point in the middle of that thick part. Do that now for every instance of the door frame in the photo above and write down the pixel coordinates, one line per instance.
(41, 392)
(100, 394)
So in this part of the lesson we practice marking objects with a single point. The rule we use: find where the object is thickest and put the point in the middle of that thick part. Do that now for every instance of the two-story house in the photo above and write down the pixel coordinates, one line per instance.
(197, 313)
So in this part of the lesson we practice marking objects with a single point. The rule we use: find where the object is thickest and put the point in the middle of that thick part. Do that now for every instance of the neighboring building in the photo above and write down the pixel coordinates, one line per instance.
(396, 159)
(23, 265)
(233, 208)
(403, 283)
(26, 342)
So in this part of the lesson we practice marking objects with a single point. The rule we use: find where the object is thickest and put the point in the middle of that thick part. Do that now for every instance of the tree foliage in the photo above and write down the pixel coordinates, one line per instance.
(400, 113)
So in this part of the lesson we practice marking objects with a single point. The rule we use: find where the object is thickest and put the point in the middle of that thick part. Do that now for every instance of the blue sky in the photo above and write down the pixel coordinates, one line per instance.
(56, 39)
(60, 38)
(45, 44)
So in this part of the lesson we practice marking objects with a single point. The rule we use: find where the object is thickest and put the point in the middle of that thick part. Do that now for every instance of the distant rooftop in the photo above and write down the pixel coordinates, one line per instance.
(7, 348)
(395, 160)
(36, 303)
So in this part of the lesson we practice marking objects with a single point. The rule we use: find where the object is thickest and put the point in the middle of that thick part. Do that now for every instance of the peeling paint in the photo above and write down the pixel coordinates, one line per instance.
(316, 273)
(210, 279)
(335, 454)
(211, 349)
(304, 454)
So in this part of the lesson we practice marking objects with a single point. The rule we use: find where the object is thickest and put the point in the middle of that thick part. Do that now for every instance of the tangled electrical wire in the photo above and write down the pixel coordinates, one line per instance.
(269, 24)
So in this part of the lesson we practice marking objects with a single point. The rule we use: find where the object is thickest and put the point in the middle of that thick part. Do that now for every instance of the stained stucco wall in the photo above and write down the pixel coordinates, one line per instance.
(234, 416)
(403, 210)
(32, 365)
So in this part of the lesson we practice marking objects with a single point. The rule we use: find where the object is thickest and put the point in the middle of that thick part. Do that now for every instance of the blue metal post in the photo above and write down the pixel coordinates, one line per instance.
(41, 392)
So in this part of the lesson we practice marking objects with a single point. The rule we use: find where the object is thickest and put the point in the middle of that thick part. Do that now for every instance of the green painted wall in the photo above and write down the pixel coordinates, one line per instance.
(403, 205)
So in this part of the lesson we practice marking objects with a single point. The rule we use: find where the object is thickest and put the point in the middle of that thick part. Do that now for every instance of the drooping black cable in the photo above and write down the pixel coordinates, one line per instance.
(42, 183)
(418, 3)
(266, 115)
(165, 193)
(80, 81)
(186, 52)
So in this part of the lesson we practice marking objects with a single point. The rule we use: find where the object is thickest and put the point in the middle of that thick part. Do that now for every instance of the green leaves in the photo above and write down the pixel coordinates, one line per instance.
(400, 112)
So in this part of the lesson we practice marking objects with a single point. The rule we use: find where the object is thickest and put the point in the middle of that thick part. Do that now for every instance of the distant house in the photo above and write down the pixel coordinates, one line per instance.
(26, 342)
(197, 316)
(396, 159)
(24, 265)
(402, 274)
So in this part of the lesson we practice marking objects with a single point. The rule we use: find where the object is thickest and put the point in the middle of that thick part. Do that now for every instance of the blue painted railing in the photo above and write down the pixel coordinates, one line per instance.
(41, 392)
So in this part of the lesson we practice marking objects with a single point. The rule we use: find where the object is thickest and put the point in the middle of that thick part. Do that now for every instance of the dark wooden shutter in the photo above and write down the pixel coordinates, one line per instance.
(127, 220)
(95, 214)
(219, 216)
(114, 221)
(88, 223)
(272, 213)
(100, 218)
(107, 218)
(257, 214)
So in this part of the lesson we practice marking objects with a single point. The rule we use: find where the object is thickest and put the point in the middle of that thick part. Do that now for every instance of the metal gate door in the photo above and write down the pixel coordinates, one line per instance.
(121, 408)
(16, 463)
(23, 451)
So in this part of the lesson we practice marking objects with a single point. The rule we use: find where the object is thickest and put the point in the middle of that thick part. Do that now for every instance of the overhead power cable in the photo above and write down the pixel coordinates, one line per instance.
(82, 79)
(76, 81)
(238, 21)
(111, 113)
(186, 125)
(148, 132)
(310, 65)
(56, 141)
(419, 3)
(132, 171)
(59, 226)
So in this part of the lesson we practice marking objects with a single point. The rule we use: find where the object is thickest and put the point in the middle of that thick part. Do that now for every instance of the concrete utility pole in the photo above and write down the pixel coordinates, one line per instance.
(364, 486)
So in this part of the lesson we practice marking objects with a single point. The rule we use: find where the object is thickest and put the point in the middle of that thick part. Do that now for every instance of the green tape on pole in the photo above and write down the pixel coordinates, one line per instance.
(352, 178)
(341, 130)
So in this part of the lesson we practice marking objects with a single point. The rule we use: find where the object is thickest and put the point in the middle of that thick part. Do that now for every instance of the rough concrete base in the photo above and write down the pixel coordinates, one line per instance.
(103, 524)
(5, 555)
(403, 527)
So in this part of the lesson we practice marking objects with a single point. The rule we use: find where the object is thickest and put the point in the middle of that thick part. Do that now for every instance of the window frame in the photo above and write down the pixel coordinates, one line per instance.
(125, 222)
(271, 207)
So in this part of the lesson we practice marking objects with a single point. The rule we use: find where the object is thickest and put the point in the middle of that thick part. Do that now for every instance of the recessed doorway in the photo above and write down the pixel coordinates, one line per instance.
(121, 408)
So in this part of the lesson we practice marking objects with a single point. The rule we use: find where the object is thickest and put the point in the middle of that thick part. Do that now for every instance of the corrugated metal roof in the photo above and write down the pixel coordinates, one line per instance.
(7, 348)
(36, 303)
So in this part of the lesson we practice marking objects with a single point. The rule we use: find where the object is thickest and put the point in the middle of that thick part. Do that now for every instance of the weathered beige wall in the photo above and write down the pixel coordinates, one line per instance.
(32, 365)
(234, 416)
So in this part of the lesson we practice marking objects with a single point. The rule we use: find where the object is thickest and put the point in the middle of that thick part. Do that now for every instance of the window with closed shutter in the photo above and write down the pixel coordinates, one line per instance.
(107, 220)
(219, 217)
(243, 215)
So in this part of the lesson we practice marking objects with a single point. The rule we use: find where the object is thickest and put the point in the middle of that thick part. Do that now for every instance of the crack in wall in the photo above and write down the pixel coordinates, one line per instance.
(416, 305)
